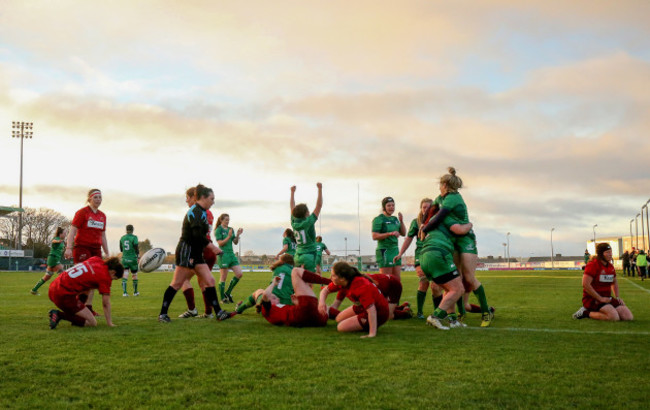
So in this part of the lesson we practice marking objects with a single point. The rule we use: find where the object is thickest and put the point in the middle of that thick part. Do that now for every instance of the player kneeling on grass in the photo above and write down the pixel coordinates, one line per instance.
(304, 312)
(69, 291)
(598, 283)
(389, 286)
(370, 309)
(283, 291)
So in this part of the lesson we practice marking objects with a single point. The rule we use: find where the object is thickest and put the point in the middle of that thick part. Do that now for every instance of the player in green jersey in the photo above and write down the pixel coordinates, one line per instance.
(452, 210)
(386, 228)
(225, 236)
(303, 223)
(320, 248)
(53, 259)
(424, 283)
(288, 243)
(130, 255)
(281, 293)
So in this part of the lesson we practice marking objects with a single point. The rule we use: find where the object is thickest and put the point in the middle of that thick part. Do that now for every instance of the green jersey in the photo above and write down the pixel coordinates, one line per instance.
(413, 233)
(57, 248)
(453, 202)
(291, 246)
(128, 246)
(320, 247)
(284, 290)
(385, 224)
(438, 239)
(221, 233)
(305, 233)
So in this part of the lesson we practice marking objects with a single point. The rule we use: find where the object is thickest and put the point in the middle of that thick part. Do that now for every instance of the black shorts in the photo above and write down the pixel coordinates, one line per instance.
(188, 256)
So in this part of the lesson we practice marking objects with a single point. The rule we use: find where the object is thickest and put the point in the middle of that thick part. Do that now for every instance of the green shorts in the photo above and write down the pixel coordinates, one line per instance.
(130, 264)
(319, 261)
(438, 265)
(227, 260)
(385, 257)
(466, 244)
(52, 261)
(308, 260)
(416, 260)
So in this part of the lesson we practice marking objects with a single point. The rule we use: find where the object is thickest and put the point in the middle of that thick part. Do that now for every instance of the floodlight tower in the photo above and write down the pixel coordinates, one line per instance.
(21, 130)
(631, 222)
(552, 257)
(636, 229)
(508, 245)
(594, 229)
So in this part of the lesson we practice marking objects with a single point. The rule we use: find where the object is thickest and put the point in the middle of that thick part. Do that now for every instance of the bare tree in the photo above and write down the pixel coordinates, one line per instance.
(39, 227)
(9, 230)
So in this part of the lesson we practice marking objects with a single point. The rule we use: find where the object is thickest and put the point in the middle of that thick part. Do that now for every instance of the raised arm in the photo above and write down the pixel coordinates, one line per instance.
(292, 201)
(319, 200)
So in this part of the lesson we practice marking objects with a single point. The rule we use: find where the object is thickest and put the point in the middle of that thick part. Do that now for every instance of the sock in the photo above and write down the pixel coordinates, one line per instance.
(167, 300)
(135, 286)
(206, 304)
(189, 298)
(38, 285)
(232, 284)
(439, 313)
(401, 314)
(474, 308)
(421, 297)
(249, 302)
(460, 305)
(211, 295)
(311, 277)
(333, 313)
(123, 285)
(482, 300)
(436, 301)
(76, 320)
(222, 289)
(453, 317)
(90, 307)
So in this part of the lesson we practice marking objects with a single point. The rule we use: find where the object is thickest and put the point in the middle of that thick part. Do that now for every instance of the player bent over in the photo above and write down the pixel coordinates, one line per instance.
(283, 291)
(304, 311)
(598, 284)
(130, 256)
(370, 309)
(69, 291)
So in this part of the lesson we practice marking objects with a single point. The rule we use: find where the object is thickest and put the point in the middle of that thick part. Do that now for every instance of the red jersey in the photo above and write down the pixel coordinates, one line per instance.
(90, 227)
(90, 274)
(210, 220)
(603, 278)
(363, 293)
(303, 314)
(388, 285)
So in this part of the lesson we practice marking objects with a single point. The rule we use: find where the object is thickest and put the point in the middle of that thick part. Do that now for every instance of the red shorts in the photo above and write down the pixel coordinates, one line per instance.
(67, 302)
(210, 258)
(306, 313)
(81, 253)
(362, 316)
(394, 293)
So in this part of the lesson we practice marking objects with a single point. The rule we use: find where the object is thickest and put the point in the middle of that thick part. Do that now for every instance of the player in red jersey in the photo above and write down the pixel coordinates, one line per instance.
(389, 286)
(87, 234)
(304, 311)
(598, 283)
(370, 309)
(210, 259)
(68, 289)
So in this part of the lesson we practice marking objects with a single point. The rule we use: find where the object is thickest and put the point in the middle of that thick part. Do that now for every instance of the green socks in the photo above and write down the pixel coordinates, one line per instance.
(421, 296)
(249, 302)
(124, 286)
(232, 284)
(482, 299)
(460, 305)
(38, 285)
(439, 313)
(135, 286)
(222, 289)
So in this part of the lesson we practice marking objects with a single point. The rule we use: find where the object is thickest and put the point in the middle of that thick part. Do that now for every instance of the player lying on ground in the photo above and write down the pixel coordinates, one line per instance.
(283, 291)
(304, 310)
(69, 291)
(388, 285)
(598, 284)
(370, 309)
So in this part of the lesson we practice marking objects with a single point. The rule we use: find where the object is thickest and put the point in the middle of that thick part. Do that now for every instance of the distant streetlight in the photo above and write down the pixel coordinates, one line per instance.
(631, 236)
(636, 229)
(508, 245)
(21, 130)
(346, 249)
(504, 250)
(645, 206)
(552, 253)
(594, 228)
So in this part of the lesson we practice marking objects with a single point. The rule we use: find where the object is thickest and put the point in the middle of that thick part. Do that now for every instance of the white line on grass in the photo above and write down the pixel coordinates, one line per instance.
(524, 329)
(638, 286)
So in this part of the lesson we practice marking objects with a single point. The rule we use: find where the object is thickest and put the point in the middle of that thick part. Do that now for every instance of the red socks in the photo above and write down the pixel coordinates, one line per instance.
(311, 277)
(189, 297)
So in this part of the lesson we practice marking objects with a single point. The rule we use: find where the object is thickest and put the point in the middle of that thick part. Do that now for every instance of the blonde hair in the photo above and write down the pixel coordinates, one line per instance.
(453, 182)
(420, 215)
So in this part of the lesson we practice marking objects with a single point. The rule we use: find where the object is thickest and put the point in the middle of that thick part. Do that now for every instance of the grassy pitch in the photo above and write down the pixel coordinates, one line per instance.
(535, 355)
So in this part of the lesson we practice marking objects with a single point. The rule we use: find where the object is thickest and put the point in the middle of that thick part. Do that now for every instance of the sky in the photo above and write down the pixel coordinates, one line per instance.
(543, 108)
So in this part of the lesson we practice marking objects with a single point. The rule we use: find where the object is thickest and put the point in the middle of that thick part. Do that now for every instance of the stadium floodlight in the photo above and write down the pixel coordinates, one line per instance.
(508, 245)
(594, 229)
(21, 130)
(552, 257)
(631, 236)
(636, 230)
(504, 250)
